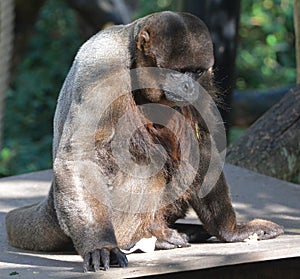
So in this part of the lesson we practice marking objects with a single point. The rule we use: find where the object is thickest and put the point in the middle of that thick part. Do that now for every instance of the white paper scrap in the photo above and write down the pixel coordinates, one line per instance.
(145, 245)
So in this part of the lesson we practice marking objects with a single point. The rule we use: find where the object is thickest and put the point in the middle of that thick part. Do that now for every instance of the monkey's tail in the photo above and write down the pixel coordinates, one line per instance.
(35, 227)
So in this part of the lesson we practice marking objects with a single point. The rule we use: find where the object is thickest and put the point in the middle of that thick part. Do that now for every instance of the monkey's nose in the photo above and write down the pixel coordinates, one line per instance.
(186, 87)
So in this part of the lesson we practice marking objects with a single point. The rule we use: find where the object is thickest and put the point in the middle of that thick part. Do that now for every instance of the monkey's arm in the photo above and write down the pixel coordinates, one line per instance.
(81, 196)
(215, 210)
(83, 208)
(216, 213)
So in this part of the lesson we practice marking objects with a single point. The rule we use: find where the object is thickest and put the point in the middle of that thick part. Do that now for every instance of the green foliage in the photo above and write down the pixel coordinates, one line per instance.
(266, 54)
(146, 7)
(31, 101)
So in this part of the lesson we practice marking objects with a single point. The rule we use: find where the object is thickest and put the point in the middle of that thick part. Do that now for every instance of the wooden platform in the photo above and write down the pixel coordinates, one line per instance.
(253, 195)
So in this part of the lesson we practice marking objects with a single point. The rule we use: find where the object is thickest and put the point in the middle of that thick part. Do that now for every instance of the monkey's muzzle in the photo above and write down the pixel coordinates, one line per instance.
(180, 89)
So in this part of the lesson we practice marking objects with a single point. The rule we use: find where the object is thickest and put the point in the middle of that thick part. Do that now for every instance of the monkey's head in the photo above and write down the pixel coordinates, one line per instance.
(176, 41)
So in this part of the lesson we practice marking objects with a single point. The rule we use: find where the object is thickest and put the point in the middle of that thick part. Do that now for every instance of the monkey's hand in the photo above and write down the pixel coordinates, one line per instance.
(104, 257)
(258, 228)
(262, 228)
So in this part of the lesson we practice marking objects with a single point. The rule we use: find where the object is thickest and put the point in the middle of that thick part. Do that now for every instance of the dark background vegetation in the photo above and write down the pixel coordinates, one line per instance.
(265, 60)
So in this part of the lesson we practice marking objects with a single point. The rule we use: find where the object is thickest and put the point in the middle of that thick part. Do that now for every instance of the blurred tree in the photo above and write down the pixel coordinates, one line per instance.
(297, 35)
(26, 13)
(93, 15)
(32, 96)
(6, 46)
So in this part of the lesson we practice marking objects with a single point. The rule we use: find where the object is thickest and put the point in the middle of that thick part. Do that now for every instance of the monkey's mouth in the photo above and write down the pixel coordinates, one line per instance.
(178, 99)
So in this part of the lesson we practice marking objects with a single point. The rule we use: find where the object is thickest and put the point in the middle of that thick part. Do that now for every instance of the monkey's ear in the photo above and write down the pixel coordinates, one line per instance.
(143, 41)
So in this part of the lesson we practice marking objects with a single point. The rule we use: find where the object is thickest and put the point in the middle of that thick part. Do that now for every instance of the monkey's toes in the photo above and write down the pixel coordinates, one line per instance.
(118, 257)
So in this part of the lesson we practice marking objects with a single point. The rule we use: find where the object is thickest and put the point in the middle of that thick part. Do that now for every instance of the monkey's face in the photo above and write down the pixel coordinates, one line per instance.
(179, 42)
(182, 85)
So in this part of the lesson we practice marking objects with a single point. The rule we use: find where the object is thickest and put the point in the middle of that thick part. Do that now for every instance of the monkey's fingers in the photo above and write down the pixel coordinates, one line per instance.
(105, 258)
(265, 229)
(119, 257)
(96, 260)
(164, 245)
(258, 228)
(91, 259)
(172, 239)
(86, 262)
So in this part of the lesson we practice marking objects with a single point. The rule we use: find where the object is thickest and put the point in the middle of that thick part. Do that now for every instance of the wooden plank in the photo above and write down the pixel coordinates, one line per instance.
(253, 195)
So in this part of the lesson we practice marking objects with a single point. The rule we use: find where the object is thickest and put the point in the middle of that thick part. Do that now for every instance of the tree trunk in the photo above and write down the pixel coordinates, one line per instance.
(272, 144)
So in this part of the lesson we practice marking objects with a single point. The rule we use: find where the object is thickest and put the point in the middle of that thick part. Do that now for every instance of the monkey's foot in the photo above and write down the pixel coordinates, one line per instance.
(171, 239)
(104, 257)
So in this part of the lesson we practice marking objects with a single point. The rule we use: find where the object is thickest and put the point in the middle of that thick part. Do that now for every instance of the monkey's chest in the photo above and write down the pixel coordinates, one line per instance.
(149, 151)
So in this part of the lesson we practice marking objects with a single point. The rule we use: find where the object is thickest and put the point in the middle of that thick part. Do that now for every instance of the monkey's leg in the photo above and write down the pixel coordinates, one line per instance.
(35, 227)
(216, 212)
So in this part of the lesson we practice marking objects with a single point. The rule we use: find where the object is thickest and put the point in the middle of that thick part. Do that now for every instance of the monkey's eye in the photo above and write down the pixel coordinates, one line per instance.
(199, 72)
(183, 71)
(193, 73)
